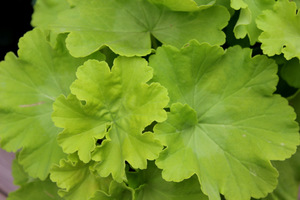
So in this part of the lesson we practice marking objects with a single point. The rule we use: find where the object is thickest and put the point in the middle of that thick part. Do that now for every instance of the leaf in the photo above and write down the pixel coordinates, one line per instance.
(185, 5)
(36, 189)
(225, 124)
(151, 186)
(118, 105)
(46, 11)
(28, 86)
(287, 187)
(280, 28)
(246, 24)
(117, 191)
(77, 180)
(290, 72)
(126, 27)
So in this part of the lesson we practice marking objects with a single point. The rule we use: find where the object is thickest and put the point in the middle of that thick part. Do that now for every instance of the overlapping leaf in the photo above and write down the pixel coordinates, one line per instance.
(28, 86)
(281, 27)
(149, 185)
(118, 105)
(46, 11)
(290, 72)
(77, 180)
(225, 125)
(126, 26)
(249, 11)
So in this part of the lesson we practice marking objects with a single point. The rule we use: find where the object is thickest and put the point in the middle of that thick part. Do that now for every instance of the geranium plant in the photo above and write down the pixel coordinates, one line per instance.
(154, 99)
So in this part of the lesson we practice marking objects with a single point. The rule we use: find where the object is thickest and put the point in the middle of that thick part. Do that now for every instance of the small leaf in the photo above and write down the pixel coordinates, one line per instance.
(77, 180)
(280, 28)
(118, 106)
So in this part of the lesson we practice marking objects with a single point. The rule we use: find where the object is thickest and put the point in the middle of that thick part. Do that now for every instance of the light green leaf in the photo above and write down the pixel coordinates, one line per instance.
(281, 28)
(290, 72)
(36, 189)
(46, 11)
(185, 5)
(126, 26)
(246, 23)
(118, 105)
(151, 186)
(227, 124)
(28, 86)
(77, 180)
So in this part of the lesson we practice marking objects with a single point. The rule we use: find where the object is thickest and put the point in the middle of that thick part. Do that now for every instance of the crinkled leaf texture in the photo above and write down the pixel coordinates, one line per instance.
(224, 125)
(246, 24)
(77, 180)
(118, 105)
(126, 26)
(281, 28)
(28, 86)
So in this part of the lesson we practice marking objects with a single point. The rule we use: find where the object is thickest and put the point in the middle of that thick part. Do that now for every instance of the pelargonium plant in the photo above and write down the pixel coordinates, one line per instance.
(155, 99)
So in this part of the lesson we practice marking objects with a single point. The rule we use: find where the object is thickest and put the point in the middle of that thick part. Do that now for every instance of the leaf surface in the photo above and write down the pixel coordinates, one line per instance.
(185, 5)
(126, 27)
(36, 189)
(149, 185)
(225, 124)
(281, 28)
(28, 86)
(77, 180)
(118, 106)
(249, 12)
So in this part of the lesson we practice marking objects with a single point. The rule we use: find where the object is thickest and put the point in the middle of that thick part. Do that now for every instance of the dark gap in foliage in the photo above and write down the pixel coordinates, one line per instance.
(256, 49)
(167, 109)
(230, 38)
(150, 127)
(155, 42)
(109, 56)
(128, 166)
(284, 89)
(15, 18)
(99, 141)
(83, 102)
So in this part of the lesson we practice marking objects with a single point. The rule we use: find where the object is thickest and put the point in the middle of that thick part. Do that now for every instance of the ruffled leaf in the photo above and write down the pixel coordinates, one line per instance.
(118, 105)
(28, 86)
(249, 11)
(126, 26)
(225, 124)
(77, 180)
(281, 27)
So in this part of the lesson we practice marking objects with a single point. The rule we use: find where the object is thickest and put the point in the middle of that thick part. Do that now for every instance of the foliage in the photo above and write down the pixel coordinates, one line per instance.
(148, 99)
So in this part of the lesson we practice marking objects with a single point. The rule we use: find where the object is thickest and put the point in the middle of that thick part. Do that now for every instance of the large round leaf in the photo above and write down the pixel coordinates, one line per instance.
(225, 124)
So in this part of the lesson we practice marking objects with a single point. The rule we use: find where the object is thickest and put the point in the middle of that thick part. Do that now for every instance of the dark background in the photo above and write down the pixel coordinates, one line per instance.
(15, 17)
